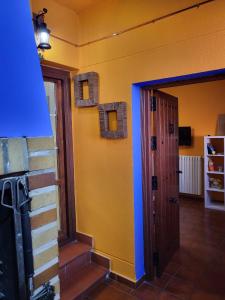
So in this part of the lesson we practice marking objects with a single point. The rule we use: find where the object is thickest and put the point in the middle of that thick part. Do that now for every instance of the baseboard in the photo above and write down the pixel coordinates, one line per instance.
(84, 238)
(100, 260)
(126, 281)
(105, 262)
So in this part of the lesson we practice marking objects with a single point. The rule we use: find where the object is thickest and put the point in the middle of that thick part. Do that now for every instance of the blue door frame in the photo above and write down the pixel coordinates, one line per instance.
(137, 156)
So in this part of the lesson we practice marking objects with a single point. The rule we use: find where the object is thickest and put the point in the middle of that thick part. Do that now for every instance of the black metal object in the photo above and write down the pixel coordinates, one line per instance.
(153, 103)
(47, 293)
(154, 143)
(42, 13)
(40, 28)
(154, 183)
(16, 253)
(171, 128)
(26, 229)
(15, 227)
(12, 283)
(179, 172)
(173, 200)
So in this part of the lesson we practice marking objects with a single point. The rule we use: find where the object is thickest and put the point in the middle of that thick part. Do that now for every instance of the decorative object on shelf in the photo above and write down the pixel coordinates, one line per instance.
(214, 178)
(92, 80)
(42, 33)
(121, 113)
(220, 168)
(215, 183)
(211, 149)
(211, 165)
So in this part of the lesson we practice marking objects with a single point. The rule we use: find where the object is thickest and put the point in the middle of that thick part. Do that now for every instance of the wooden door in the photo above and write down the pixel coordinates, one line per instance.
(162, 198)
(58, 97)
(54, 98)
(166, 168)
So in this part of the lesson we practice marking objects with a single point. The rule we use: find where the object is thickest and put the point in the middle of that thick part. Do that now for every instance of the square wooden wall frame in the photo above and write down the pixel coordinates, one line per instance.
(121, 109)
(92, 79)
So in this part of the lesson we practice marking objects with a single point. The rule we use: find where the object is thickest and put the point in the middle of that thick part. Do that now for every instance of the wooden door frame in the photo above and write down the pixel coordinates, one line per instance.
(202, 77)
(54, 74)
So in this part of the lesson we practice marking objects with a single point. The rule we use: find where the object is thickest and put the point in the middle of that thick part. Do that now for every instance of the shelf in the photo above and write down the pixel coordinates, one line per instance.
(216, 206)
(214, 195)
(215, 172)
(214, 137)
(215, 190)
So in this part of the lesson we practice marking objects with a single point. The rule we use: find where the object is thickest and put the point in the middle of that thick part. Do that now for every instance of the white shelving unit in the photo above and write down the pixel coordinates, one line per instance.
(214, 195)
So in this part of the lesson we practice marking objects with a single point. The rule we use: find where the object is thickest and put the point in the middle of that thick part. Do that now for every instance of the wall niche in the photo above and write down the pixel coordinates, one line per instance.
(113, 120)
(86, 87)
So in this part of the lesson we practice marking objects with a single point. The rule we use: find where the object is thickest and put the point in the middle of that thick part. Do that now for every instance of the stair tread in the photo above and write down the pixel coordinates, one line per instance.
(83, 281)
(71, 251)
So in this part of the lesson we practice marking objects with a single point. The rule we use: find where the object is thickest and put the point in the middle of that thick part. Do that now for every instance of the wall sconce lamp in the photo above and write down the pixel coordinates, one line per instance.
(42, 33)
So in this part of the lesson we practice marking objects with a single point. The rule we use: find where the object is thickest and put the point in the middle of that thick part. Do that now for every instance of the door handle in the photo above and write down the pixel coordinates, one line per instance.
(179, 172)
(173, 200)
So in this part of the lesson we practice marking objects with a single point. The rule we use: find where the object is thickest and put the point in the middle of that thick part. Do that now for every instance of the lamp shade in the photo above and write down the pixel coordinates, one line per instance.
(23, 105)
(43, 35)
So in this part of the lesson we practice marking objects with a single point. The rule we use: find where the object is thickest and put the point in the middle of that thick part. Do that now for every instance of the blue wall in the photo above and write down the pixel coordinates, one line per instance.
(23, 106)
(137, 176)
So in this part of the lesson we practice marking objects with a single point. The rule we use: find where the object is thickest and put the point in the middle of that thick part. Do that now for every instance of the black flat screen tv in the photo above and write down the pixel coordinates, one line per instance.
(185, 136)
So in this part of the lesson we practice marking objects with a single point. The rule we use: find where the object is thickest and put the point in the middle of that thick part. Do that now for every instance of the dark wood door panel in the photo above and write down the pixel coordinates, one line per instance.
(166, 167)
(159, 113)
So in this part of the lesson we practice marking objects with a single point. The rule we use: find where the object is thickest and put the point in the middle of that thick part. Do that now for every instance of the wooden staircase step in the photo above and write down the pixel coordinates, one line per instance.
(72, 259)
(71, 252)
(83, 282)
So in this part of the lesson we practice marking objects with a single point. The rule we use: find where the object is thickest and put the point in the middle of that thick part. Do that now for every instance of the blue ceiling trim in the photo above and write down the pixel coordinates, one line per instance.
(181, 78)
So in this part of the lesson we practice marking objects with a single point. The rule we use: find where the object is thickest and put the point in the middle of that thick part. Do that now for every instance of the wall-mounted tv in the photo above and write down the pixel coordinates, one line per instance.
(185, 136)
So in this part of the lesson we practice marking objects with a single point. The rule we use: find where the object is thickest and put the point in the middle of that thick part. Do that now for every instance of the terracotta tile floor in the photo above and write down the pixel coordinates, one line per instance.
(197, 270)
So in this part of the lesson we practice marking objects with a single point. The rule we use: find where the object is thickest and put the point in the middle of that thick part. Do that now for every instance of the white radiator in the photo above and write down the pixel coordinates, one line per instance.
(190, 180)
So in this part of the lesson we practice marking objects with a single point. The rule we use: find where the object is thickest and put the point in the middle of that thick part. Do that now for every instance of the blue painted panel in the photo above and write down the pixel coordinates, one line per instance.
(182, 78)
(23, 106)
(137, 177)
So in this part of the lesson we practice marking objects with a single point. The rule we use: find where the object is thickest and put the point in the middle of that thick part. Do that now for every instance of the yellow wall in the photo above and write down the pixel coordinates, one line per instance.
(63, 23)
(191, 42)
(199, 107)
